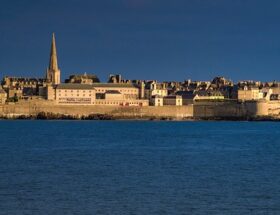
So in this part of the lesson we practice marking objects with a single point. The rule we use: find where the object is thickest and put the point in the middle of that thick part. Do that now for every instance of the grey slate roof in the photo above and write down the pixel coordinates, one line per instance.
(75, 86)
(92, 86)
(172, 96)
(112, 92)
(128, 85)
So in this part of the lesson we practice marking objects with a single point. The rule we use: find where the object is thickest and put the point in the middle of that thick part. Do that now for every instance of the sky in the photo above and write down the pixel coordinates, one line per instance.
(143, 39)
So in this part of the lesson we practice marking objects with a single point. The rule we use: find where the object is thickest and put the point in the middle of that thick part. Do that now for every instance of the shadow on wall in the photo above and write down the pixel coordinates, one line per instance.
(230, 109)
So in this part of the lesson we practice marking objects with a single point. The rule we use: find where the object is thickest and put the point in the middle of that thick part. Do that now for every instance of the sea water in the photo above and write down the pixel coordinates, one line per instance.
(139, 167)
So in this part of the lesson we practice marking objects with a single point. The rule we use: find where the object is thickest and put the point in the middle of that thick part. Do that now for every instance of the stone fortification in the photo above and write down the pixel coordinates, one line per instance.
(231, 109)
(35, 107)
(199, 110)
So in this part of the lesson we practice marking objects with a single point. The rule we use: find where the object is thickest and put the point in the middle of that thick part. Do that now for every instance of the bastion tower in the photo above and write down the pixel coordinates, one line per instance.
(53, 72)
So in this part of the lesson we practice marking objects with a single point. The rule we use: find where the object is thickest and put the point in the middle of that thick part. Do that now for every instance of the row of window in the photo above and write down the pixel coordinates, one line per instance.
(74, 90)
(119, 103)
(74, 99)
(131, 91)
(73, 95)
(73, 102)
(100, 90)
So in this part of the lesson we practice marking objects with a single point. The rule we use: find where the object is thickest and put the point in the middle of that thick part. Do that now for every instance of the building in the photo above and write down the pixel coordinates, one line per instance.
(50, 92)
(128, 90)
(83, 79)
(53, 72)
(249, 93)
(188, 97)
(156, 100)
(73, 94)
(153, 88)
(116, 98)
(174, 100)
(22, 87)
(89, 94)
(119, 94)
(15, 92)
(3, 96)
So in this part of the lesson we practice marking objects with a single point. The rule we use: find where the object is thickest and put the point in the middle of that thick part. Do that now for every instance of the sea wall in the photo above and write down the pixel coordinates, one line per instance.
(217, 109)
(231, 109)
(274, 108)
(35, 107)
(199, 110)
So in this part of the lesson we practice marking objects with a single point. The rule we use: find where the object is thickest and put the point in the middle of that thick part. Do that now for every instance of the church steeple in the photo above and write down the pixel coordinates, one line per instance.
(53, 56)
(53, 72)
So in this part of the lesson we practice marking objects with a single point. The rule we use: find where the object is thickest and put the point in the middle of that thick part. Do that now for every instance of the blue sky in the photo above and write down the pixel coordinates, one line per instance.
(143, 39)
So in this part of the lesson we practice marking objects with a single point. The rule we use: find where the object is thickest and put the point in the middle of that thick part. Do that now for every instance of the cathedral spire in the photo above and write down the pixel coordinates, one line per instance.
(53, 56)
(53, 72)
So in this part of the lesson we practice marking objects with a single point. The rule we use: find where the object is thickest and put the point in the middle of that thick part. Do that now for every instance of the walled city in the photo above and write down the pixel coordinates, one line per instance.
(84, 95)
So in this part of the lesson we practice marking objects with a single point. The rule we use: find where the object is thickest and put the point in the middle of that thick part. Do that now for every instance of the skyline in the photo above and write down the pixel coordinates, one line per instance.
(142, 39)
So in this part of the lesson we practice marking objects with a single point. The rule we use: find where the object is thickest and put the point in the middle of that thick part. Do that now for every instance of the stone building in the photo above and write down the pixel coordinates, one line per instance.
(129, 91)
(73, 94)
(153, 88)
(18, 86)
(3, 96)
(115, 98)
(188, 97)
(156, 100)
(112, 95)
(119, 94)
(174, 100)
(171, 100)
(50, 92)
(90, 94)
(15, 92)
(249, 93)
(83, 79)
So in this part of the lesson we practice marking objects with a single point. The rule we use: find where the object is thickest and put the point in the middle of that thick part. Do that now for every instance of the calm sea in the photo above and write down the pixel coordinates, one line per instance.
(126, 167)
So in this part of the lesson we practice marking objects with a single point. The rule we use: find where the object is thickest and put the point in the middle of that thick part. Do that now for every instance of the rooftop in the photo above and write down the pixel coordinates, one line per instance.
(112, 92)
(75, 86)
(122, 85)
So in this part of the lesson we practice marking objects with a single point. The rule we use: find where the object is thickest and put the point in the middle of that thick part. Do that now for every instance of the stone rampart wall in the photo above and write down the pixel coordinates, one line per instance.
(34, 107)
(198, 110)
(231, 109)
